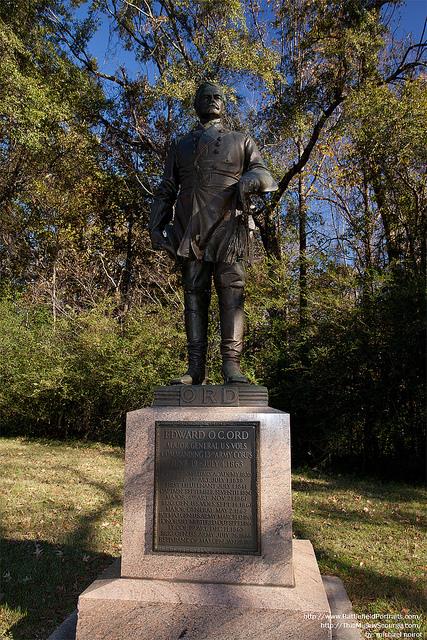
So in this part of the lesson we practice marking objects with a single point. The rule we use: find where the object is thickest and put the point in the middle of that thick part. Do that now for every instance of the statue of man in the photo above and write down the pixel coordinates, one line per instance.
(199, 216)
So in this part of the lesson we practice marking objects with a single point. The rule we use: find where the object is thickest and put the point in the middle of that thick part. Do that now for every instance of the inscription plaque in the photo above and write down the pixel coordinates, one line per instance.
(206, 487)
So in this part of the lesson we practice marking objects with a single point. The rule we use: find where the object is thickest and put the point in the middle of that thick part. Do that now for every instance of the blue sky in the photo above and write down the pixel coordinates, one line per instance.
(406, 20)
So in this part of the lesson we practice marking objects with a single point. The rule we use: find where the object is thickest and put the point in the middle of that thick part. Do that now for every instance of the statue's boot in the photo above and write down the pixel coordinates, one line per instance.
(232, 316)
(196, 304)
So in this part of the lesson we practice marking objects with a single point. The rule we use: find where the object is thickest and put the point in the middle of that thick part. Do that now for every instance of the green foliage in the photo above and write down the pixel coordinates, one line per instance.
(389, 132)
(41, 90)
(49, 156)
(90, 316)
(78, 378)
(353, 378)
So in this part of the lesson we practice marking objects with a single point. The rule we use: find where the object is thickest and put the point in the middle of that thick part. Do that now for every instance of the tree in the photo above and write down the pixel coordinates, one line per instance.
(47, 149)
(338, 110)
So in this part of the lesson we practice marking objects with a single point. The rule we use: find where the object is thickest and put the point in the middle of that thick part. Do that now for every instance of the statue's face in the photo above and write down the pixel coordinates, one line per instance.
(210, 104)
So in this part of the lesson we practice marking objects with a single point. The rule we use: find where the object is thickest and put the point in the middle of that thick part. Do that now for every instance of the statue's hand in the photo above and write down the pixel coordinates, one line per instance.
(158, 240)
(246, 187)
(161, 242)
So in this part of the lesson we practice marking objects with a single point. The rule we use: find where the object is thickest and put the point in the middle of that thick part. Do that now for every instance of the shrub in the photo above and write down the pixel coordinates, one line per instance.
(79, 377)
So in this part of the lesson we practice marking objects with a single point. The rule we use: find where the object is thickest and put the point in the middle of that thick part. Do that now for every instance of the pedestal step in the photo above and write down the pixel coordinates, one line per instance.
(139, 609)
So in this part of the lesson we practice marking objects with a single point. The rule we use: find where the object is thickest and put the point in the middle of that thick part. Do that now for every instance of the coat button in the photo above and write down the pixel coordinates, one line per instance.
(216, 151)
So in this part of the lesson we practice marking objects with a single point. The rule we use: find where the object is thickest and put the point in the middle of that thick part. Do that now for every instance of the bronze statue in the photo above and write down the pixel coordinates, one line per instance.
(199, 216)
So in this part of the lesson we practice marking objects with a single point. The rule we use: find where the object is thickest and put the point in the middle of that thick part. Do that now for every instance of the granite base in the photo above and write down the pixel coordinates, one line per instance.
(140, 609)
(273, 566)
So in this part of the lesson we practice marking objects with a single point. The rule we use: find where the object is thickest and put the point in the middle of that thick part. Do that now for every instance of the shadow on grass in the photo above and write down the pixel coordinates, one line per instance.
(116, 450)
(365, 489)
(369, 488)
(357, 517)
(43, 580)
(367, 585)
(45, 588)
(83, 533)
(362, 583)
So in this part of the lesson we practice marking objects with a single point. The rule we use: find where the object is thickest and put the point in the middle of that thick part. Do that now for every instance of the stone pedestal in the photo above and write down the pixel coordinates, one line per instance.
(207, 536)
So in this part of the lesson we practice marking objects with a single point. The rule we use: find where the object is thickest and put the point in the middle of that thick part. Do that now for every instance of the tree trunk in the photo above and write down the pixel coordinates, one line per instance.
(380, 197)
(53, 295)
(302, 220)
(127, 271)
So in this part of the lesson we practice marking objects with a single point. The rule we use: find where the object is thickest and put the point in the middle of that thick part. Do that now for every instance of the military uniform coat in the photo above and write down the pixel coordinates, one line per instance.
(196, 204)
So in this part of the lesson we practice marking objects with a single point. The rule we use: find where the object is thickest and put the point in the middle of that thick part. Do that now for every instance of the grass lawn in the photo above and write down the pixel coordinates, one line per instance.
(61, 525)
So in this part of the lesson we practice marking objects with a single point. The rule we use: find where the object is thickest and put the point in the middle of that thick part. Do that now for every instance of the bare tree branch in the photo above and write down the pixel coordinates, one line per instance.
(69, 39)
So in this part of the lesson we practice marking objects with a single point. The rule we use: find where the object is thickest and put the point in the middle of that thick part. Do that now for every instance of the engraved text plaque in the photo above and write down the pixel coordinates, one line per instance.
(206, 487)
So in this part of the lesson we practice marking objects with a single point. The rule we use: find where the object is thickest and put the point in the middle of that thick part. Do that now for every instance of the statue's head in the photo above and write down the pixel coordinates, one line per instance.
(209, 101)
